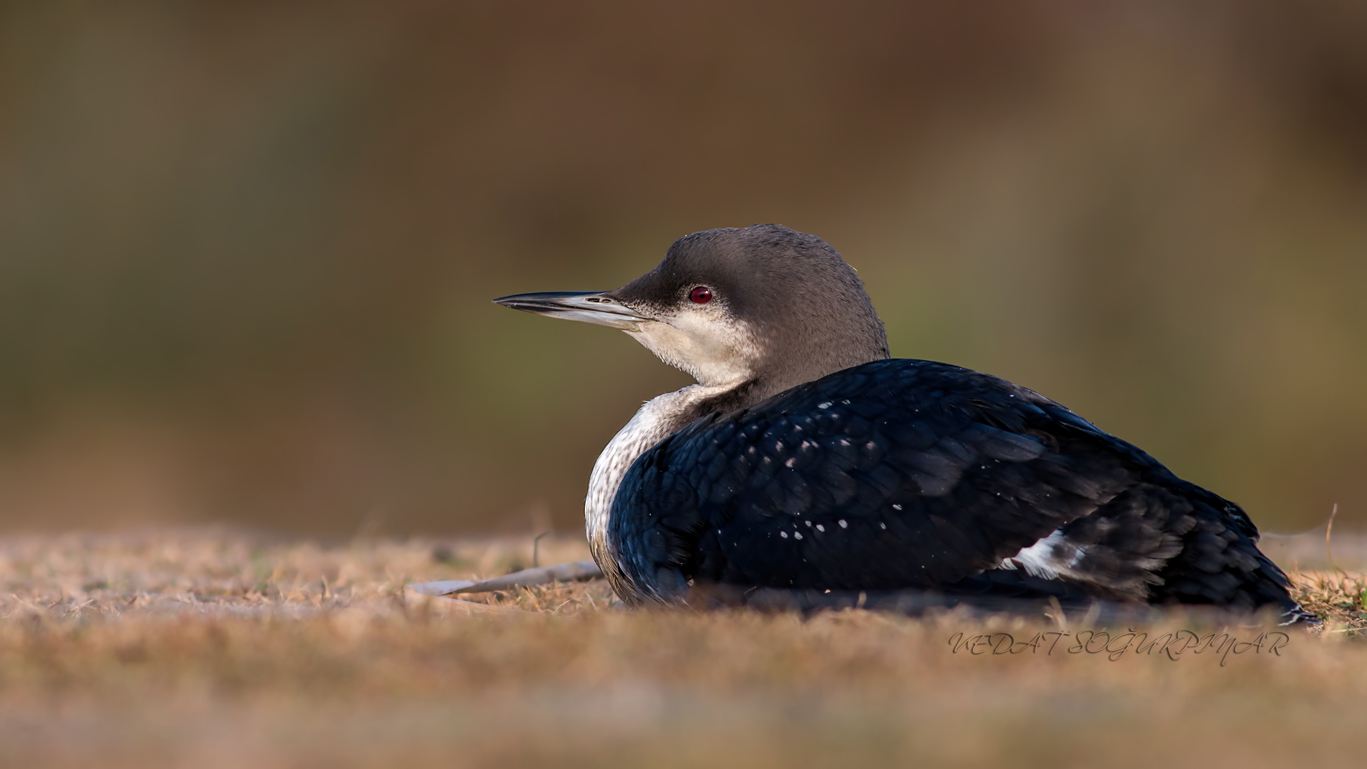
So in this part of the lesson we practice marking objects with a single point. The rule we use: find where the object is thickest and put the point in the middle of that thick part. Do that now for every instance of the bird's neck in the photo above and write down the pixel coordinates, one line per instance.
(658, 419)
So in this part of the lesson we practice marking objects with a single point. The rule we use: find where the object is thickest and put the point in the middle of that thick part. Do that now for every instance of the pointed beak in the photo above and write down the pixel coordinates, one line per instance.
(588, 306)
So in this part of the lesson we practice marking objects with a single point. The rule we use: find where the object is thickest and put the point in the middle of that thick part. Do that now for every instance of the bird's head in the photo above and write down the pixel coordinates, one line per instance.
(762, 306)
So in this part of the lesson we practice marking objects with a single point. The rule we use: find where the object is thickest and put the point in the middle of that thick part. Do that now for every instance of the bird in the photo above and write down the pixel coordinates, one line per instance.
(807, 463)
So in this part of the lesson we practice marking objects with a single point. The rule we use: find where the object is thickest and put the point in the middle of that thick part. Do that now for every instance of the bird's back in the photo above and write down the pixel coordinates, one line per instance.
(901, 474)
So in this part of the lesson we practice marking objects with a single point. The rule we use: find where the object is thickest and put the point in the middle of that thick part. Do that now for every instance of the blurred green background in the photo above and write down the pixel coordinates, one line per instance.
(247, 248)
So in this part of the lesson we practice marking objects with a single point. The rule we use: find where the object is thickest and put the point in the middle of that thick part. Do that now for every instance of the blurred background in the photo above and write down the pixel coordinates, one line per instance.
(247, 249)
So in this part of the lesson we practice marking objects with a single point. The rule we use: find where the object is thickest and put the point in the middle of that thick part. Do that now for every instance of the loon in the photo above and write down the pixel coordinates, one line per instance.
(806, 459)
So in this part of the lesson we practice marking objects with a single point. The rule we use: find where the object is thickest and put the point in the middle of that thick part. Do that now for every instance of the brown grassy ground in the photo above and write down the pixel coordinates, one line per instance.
(212, 649)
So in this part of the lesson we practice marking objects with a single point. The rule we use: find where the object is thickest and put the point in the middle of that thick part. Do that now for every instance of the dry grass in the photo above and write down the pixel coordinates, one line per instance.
(220, 649)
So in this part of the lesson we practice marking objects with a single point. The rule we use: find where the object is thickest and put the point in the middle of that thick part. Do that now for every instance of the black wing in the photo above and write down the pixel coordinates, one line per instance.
(911, 474)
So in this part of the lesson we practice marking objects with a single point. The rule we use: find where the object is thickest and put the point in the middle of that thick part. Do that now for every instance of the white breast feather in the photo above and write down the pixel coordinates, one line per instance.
(657, 419)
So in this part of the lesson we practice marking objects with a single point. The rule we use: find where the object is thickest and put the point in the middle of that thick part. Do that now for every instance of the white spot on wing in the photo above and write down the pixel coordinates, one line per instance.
(1048, 557)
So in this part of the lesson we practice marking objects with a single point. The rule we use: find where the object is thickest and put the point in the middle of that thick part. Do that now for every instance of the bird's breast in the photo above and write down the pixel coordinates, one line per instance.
(656, 420)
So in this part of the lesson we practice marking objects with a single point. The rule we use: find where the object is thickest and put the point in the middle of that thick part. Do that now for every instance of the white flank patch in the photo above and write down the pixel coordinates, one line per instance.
(1047, 558)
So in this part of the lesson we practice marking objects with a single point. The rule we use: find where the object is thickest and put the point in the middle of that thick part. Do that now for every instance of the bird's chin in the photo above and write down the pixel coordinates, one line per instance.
(709, 365)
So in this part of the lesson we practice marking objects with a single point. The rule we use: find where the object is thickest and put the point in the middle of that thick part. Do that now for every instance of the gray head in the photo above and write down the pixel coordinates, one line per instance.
(761, 306)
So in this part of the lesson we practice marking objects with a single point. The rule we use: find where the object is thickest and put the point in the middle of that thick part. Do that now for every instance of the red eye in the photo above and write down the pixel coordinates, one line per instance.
(701, 295)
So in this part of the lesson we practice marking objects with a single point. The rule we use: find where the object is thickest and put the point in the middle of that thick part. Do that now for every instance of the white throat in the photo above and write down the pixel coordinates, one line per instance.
(658, 419)
(717, 350)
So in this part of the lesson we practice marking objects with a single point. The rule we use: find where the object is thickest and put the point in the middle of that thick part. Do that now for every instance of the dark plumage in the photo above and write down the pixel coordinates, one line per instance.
(912, 474)
(807, 461)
